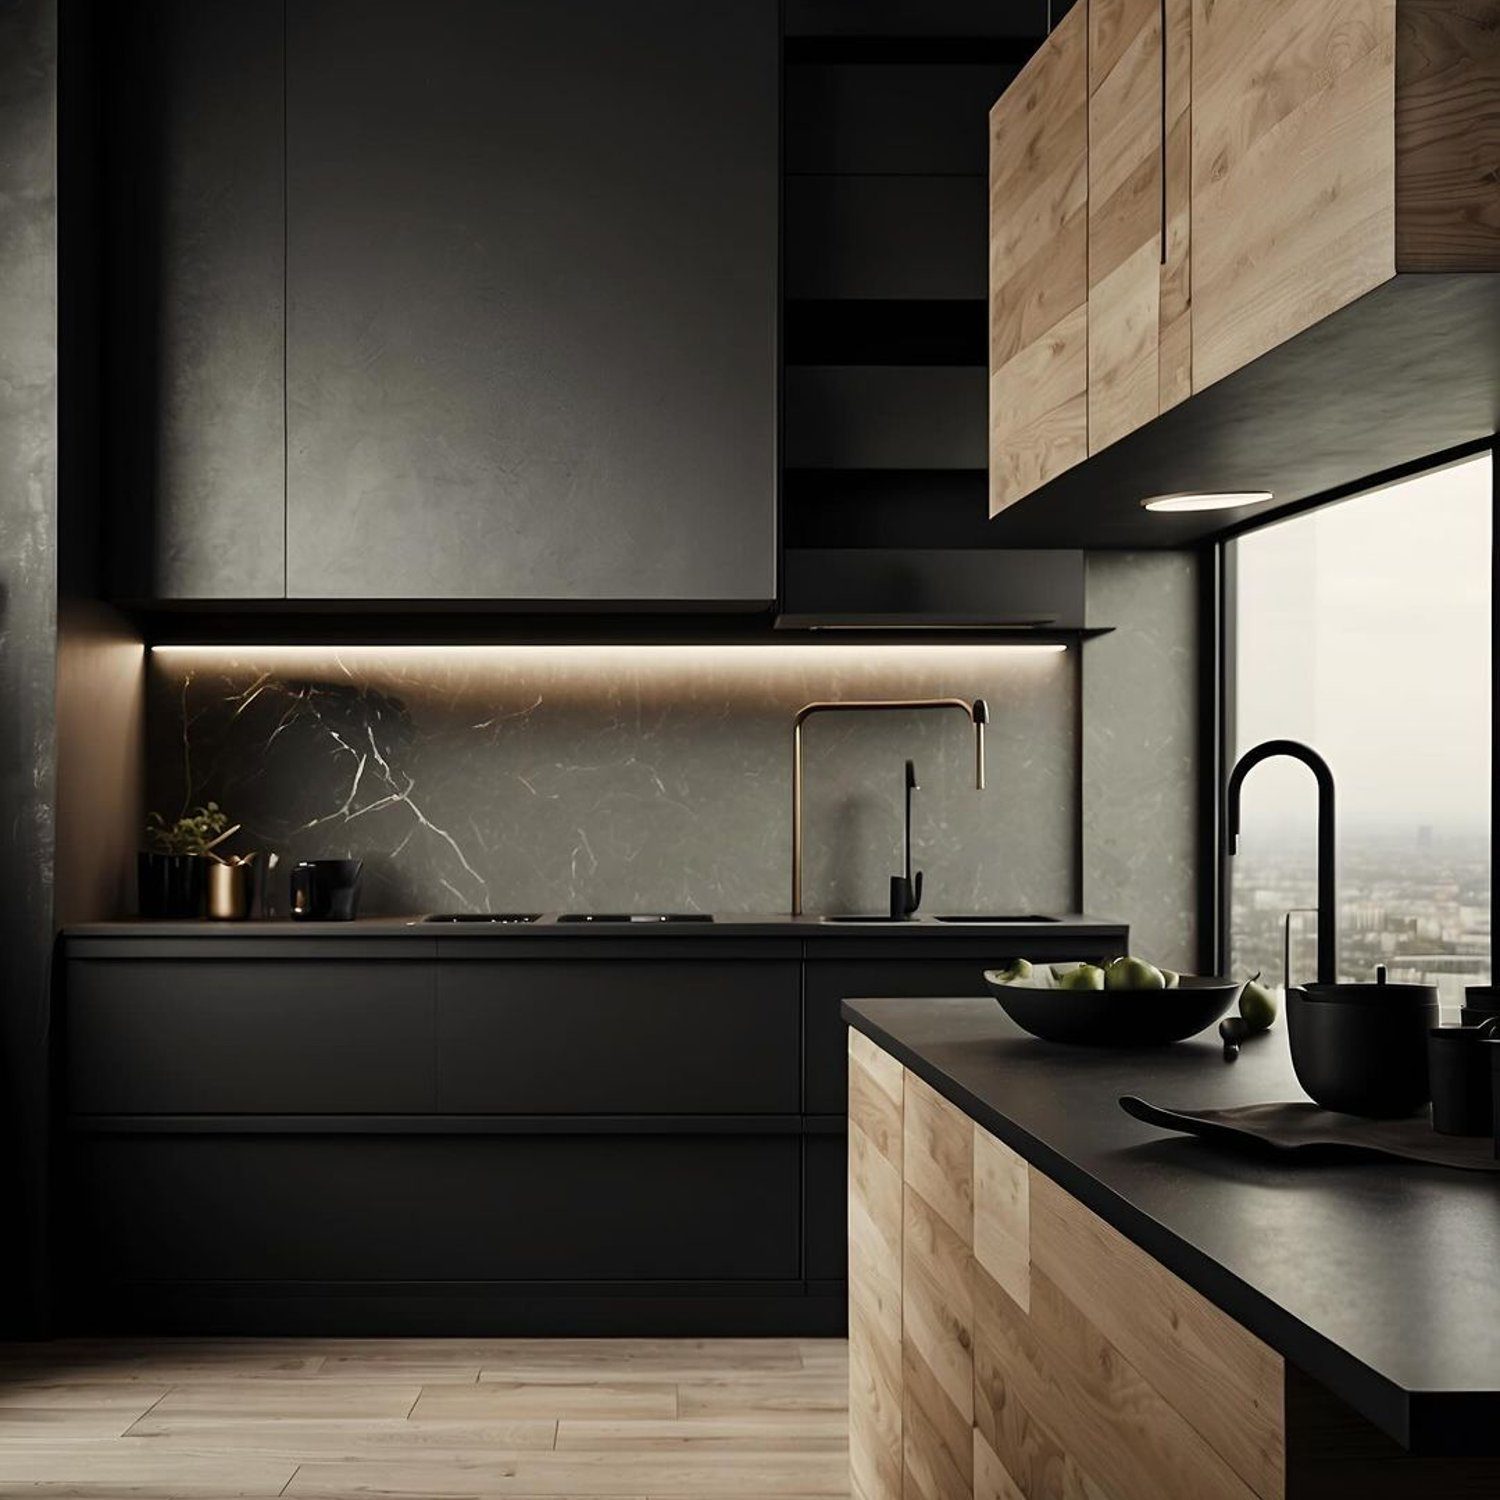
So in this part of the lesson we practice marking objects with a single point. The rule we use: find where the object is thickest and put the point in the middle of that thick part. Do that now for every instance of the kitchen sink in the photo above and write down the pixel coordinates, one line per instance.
(995, 921)
(976, 921)
(638, 916)
(865, 920)
(496, 918)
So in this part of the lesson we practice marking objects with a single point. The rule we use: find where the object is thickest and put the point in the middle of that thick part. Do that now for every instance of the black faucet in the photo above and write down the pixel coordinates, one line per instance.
(1328, 895)
(906, 888)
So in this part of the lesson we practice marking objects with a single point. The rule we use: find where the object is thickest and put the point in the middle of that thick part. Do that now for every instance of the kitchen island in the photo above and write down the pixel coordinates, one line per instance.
(1049, 1297)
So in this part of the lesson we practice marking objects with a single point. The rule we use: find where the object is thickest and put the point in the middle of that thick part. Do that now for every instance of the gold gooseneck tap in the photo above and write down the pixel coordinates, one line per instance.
(978, 712)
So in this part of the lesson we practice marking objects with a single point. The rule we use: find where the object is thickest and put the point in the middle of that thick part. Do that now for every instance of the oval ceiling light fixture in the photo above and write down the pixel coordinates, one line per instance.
(1224, 500)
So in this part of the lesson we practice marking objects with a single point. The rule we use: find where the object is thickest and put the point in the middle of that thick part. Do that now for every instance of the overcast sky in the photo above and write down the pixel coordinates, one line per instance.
(1364, 629)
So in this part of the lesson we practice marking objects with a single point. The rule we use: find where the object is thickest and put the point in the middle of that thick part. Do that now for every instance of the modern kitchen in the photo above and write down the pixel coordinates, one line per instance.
(747, 748)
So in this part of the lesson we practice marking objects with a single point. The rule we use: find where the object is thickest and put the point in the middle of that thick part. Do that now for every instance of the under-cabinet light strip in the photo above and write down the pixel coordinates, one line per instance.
(716, 651)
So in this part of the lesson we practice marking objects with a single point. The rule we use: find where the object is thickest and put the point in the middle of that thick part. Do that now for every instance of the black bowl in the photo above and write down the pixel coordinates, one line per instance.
(1359, 1056)
(1117, 1018)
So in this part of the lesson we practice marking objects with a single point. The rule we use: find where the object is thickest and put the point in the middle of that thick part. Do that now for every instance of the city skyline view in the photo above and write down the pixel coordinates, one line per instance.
(1364, 629)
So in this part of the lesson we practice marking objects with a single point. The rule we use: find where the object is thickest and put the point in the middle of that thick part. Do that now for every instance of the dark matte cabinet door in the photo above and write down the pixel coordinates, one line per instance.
(591, 1037)
(371, 1208)
(532, 314)
(229, 1036)
(825, 1207)
(193, 341)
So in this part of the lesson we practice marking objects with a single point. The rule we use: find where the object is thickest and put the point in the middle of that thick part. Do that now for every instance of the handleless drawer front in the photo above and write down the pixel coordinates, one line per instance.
(225, 1036)
(399, 1208)
(585, 1036)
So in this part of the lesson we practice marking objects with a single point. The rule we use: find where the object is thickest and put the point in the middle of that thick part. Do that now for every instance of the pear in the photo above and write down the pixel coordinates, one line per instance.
(1081, 977)
(1017, 971)
(1171, 978)
(1258, 1004)
(1133, 974)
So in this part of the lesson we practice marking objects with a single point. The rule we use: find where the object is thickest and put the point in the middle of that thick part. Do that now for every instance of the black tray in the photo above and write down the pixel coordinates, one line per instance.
(1303, 1132)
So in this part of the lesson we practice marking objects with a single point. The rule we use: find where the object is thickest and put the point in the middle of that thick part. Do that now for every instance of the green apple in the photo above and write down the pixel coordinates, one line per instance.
(1171, 978)
(1082, 977)
(1258, 1004)
(1133, 974)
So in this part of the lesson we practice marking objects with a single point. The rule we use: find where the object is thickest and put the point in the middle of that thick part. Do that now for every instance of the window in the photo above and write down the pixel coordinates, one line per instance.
(1363, 629)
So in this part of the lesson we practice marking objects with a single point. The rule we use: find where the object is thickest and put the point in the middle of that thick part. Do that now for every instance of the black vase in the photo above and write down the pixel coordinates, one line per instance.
(171, 885)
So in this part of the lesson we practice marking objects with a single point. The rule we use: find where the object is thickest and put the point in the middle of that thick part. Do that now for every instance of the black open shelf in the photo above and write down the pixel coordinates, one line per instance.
(869, 331)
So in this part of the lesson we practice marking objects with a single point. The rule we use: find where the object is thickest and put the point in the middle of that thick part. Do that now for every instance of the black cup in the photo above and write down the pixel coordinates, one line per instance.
(1479, 1004)
(325, 890)
(171, 885)
(1459, 1069)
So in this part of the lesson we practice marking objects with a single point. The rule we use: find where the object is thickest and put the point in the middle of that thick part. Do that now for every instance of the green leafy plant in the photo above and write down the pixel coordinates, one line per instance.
(190, 834)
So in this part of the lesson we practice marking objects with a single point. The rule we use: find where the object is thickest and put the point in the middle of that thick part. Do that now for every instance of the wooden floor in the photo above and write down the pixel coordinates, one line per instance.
(578, 1418)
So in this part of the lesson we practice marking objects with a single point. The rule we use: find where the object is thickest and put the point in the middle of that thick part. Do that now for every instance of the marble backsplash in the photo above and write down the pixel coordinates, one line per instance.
(627, 777)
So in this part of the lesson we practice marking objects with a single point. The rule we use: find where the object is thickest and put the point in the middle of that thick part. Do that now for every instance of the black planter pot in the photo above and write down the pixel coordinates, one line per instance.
(171, 885)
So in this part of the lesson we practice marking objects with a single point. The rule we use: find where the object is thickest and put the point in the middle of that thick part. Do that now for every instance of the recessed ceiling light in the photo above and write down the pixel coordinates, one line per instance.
(1226, 500)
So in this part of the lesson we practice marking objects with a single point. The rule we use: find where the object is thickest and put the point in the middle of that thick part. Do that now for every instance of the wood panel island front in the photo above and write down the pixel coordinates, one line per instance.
(1009, 1339)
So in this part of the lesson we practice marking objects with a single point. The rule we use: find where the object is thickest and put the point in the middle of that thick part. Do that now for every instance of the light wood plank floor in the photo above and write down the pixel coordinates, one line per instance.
(627, 1419)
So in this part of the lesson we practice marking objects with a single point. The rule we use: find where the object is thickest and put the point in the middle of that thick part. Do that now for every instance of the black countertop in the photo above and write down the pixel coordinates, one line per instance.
(1074, 925)
(1382, 1280)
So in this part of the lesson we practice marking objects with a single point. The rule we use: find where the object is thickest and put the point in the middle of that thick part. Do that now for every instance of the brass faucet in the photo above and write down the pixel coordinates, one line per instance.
(978, 712)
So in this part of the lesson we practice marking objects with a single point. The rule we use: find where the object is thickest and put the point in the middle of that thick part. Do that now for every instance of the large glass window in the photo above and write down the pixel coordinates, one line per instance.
(1363, 629)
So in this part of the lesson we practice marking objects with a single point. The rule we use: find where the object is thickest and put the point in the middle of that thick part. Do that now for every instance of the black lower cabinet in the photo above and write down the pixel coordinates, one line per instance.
(409, 1135)
(636, 1036)
(825, 1205)
(242, 1213)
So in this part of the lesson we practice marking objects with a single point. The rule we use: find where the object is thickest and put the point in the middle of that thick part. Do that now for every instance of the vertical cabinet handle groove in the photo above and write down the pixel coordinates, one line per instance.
(1163, 161)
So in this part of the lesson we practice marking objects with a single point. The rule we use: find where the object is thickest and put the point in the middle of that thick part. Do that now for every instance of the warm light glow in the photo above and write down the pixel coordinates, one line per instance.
(745, 652)
(1227, 500)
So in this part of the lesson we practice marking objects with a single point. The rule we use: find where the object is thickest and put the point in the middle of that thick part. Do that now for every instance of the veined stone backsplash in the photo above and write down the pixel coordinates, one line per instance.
(639, 778)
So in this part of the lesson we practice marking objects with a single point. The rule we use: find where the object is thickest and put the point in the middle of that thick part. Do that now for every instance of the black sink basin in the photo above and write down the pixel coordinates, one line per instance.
(994, 921)
(863, 920)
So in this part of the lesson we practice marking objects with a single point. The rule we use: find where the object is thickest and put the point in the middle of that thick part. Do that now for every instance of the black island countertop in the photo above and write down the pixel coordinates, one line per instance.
(1380, 1279)
(552, 927)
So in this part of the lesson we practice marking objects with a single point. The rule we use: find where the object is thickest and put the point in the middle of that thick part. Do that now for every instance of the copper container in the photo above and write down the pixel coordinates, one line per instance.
(228, 890)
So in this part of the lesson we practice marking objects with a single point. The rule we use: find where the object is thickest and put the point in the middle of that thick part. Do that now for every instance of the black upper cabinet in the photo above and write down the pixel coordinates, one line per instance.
(192, 241)
(532, 301)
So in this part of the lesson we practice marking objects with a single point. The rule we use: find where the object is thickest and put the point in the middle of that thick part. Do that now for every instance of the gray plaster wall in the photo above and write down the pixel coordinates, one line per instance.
(635, 778)
(1140, 750)
(28, 628)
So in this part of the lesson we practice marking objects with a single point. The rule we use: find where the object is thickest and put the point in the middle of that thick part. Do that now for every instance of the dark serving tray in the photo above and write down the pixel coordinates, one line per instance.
(1305, 1133)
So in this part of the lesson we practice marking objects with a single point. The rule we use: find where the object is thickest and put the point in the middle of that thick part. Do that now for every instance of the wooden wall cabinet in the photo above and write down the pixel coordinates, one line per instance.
(1125, 215)
(1039, 282)
(1294, 182)
(1252, 169)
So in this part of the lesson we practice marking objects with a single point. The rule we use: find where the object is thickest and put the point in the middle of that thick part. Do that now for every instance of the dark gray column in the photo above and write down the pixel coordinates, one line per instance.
(28, 630)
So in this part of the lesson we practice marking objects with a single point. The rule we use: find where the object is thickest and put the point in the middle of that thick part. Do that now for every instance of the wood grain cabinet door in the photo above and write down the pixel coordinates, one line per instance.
(1293, 190)
(1140, 184)
(1126, 215)
(1039, 284)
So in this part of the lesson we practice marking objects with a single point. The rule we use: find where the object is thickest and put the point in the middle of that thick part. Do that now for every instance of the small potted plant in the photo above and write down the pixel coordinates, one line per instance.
(171, 871)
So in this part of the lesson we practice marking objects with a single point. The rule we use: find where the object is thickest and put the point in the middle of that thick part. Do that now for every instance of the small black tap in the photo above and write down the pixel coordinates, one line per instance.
(906, 888)
(1328, 894)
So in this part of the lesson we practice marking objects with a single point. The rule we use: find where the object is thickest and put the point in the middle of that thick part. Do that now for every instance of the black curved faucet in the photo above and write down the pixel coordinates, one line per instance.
(1328, 908)
(906, 888)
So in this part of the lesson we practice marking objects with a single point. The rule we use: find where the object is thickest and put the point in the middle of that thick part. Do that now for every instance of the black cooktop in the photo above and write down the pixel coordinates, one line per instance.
(639, 916)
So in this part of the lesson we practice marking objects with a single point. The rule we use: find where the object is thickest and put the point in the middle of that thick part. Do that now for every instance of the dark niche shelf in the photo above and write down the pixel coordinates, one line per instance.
(869, 331)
